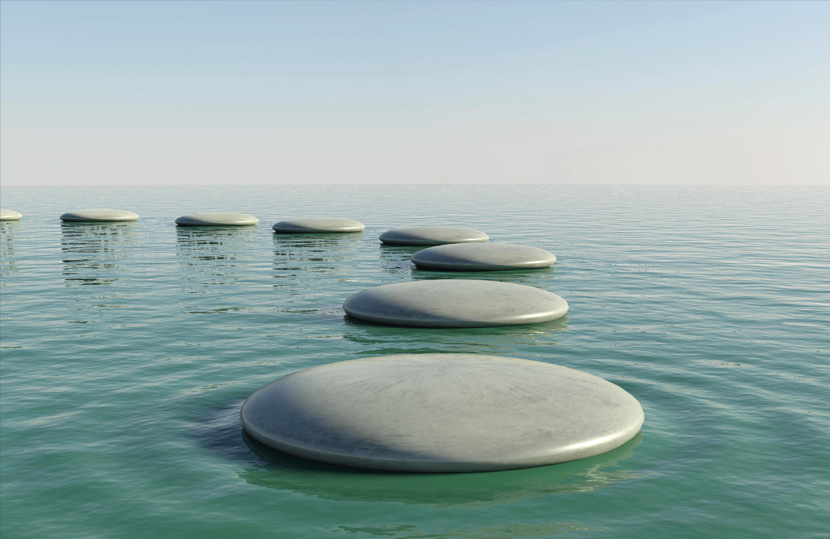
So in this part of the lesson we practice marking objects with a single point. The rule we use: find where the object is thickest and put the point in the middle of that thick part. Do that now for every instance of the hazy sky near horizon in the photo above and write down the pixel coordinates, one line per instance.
(261, 92)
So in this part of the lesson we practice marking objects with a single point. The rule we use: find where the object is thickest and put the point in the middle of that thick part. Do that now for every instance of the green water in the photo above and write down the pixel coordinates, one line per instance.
(128, 349)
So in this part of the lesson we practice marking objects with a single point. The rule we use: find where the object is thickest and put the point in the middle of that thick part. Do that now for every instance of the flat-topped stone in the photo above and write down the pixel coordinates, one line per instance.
(432, 235)
(93, 215)
(455, 303)
(317, 225)
(10, 215)
(442, 413)
(217, 219)
(483, 257)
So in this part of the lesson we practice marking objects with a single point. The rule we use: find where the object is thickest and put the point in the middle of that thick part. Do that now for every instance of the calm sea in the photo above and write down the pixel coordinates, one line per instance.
(128, 349)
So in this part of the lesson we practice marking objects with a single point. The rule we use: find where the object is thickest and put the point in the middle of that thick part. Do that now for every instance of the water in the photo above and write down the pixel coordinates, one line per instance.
(128, 349)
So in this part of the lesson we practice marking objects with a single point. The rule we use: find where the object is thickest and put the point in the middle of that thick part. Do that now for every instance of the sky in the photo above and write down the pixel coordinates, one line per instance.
(477, 92)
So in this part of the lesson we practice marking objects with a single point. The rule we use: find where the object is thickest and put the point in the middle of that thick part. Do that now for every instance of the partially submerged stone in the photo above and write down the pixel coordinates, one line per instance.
(317, 225)
(453, 303)
(10, 215)
(432, 235)
(442, 413)
(217, 219)
(483, 257)
(95, 215)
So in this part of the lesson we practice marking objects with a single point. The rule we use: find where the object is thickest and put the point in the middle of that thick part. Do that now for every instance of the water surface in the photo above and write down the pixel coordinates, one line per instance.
(128, 349)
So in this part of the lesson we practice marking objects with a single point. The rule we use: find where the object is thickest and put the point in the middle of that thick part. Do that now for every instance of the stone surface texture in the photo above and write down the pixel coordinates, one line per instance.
(323, 225)
(217, 219)
(432, 235)
(455, 303)
(442, 413)
(93, 215)
(10, 215)
(483, 257)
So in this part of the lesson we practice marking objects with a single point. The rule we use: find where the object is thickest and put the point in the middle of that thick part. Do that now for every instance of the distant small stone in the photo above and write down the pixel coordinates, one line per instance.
(483, 257)
(442, 413)
(317, 225)
(432, 235)
(455, 303)
(99, 215)
(217, 219)
(10, 215)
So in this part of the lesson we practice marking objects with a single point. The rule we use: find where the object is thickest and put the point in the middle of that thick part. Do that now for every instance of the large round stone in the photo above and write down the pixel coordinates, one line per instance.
(318, 225)
(483, 257)
(432, 235)
(442, 413)
(455, 303)
(217, 219)
(99, 215)
(10, 215)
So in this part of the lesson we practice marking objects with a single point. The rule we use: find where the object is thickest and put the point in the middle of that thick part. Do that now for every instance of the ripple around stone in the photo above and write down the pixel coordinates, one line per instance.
(93, 215)
(10, 215)
(317, 225)
(442, 413)
(217, 219)
(455, 303)
(432, 235)
(483, 257)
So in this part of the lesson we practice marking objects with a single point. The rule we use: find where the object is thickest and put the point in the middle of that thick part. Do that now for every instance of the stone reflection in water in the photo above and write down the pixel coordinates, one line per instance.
(395, 258)
(376, 339)
(213, 257)
(321, 253)
(302, 260)
(408, 531)
(93, 252)
(276, 470)
(8, 256)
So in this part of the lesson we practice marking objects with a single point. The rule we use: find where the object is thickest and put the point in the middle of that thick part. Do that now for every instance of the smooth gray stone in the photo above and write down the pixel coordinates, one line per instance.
(217, 219)
(317, 225)
(455, 303)
(10, 215)
(442, 413)
(99, 215)
(432, 235)
(483, 257)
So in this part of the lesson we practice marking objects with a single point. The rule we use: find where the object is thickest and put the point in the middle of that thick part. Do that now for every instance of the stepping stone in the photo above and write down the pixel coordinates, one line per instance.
(317, 225)
(455, 303)
(432, 235)
(99, 215)
(442, 413)
(10, 215)
(483, 257)
(217, 219)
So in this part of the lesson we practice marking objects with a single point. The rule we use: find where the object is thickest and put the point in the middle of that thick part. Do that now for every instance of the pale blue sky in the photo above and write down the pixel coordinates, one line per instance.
(215, 92)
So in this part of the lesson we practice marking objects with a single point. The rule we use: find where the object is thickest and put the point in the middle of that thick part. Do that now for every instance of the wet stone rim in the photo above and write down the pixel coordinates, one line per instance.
(217, 219)
(442, 413)
(483, 257)
(455, 303)
(432, 235)
(317, 225)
